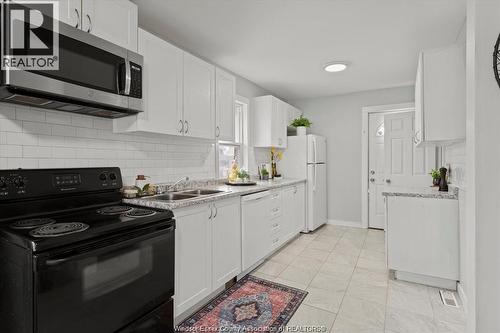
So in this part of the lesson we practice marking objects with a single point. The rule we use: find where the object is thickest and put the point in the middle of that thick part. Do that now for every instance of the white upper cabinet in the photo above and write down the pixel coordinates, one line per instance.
(440, 96)
(270, 122)
(292, 113)
(112, 20)
(225, 95)
(162, 86)
(199, 98)
(70, 12)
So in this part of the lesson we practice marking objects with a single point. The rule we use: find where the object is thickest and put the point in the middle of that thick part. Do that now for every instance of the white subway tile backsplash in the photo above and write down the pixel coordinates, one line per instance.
(35, 138)
(37, 128)
(30, 114)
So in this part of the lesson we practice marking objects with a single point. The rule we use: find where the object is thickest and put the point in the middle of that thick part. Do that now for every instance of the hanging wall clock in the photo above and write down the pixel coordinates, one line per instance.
(496, 60)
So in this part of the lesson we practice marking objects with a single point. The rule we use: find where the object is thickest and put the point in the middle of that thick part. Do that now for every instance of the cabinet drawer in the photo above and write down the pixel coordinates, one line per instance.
(275, 227)
(275, 241)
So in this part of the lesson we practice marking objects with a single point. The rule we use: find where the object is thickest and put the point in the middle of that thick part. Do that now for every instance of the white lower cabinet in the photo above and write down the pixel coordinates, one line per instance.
(293, 210)
(270, 219)
(226, 236)
(207, 250)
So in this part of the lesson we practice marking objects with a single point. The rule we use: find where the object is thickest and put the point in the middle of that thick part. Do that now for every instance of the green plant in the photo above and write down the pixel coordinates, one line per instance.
(301, 121)
(264, 172)
(435, 174)
(243, 174)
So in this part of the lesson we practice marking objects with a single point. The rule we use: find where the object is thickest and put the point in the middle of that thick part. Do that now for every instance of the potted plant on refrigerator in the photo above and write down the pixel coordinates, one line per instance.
(301, 124)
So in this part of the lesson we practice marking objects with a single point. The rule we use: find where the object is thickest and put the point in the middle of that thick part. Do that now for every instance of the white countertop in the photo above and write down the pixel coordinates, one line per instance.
(420, 192)
(229, 191)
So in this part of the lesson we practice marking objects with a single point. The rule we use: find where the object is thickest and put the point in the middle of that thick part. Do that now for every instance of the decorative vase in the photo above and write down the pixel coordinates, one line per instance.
(436, 181)
(443, 184)
(274, 171)
(301, 130)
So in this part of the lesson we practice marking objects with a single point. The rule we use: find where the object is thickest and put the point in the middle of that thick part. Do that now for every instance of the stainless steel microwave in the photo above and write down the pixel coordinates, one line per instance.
(95, 77)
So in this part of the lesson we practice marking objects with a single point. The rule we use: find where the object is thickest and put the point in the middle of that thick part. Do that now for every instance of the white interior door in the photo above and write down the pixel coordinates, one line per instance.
(406, 165)
(376, 166)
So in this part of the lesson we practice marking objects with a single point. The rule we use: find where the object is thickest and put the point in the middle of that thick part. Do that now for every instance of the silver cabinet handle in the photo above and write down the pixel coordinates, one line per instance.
(77, 18)
(216, 211)
(276, 210)
(128, 78)
(372, 180)
(372, 172)
(90, 23)
(294, 189)
(181, 125)
(211, 212)
(217, 132)
(187, 127)
(275, 225)
(388, 181)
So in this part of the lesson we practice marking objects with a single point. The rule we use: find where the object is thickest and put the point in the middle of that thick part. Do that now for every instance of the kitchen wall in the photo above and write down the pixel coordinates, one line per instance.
(37, 138)
(483, 159)
(338, 118)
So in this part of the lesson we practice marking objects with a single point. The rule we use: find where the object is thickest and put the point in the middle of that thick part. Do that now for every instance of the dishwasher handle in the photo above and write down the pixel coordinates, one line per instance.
(255, 196)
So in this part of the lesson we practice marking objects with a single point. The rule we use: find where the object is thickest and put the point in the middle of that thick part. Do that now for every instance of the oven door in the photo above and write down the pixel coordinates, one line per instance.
(104, 287)
(91, 71)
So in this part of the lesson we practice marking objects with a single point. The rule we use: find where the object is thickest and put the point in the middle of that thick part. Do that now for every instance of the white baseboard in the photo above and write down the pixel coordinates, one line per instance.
(463, 296)
(426, 280)
(343, 223)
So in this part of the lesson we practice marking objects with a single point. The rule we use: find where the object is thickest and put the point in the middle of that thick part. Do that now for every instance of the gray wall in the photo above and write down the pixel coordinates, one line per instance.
(338, 118)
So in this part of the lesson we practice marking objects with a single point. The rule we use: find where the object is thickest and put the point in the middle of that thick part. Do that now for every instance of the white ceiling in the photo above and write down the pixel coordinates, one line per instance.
(282, 45)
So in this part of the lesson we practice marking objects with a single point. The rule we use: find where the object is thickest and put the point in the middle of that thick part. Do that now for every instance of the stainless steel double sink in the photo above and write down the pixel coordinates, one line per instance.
(185, 195)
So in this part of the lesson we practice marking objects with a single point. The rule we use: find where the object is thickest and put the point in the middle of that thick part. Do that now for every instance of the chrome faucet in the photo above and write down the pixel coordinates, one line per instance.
(177, 182)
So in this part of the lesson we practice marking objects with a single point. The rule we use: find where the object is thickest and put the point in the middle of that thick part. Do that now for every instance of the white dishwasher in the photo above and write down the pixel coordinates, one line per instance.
(255, 224)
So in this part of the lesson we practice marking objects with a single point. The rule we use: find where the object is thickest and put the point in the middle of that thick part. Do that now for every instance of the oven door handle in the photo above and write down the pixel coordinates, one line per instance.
(108, 245)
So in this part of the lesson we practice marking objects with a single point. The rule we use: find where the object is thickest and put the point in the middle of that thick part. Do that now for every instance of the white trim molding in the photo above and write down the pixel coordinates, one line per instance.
(463, 296)
(353, 224)
(365, 111)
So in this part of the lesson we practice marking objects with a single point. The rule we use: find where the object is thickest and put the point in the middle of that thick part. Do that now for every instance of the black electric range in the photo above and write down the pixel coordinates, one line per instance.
(75, 259)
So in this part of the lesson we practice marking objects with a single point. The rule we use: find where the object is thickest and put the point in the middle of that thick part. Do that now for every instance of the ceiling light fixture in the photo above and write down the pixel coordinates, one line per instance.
(337, 66)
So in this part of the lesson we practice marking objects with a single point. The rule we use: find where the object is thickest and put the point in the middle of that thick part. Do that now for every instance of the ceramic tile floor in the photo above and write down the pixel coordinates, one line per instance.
(343, 269)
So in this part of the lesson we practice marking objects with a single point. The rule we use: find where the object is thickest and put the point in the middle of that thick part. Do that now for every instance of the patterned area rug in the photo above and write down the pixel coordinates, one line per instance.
(252, 304)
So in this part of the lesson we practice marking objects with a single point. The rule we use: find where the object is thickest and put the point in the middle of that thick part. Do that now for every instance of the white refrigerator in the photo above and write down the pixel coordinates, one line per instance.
(305, 157)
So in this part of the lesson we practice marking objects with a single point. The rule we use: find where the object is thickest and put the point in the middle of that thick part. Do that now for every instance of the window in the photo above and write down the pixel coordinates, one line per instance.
(237, 150)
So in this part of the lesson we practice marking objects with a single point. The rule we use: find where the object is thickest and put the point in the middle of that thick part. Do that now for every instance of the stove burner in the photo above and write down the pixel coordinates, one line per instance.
(59, 229)
(141, 213)
(114, 210)
(31, 223)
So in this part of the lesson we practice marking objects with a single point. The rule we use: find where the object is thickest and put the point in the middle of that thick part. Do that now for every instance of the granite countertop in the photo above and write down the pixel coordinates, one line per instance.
(229, 192)
(420, 192)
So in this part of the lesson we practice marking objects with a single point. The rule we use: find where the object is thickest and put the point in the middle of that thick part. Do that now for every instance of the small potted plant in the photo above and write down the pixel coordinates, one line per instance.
(301, 124)
(243, 175)
(265, 174)
(436, 177)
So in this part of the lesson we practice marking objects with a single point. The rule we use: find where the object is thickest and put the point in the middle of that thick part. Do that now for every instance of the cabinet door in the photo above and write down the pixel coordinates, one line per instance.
(70, 12)
(278, 124)
(226, 231)
(300, 208)
(225, 86)
(255, 231)
(289, 222)
(291, 114)
(193, 257)
(419, 120)
(113, 20)
(199, 98)
(162, 80)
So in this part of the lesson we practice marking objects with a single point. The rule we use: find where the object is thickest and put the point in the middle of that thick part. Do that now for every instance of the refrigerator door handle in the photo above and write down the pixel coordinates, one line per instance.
(315, 151)
(315, 177)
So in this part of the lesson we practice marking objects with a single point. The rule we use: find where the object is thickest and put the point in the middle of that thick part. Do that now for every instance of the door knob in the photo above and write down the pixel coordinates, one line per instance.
(372, 180)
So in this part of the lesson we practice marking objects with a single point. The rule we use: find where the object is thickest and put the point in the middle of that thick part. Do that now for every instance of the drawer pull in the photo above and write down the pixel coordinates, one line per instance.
(275, 225)
(276, 210)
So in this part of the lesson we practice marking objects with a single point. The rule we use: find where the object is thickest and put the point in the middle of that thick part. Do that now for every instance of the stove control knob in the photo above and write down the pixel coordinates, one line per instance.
(19, 182)
(112, 176)
(3, 183)
(102, 176)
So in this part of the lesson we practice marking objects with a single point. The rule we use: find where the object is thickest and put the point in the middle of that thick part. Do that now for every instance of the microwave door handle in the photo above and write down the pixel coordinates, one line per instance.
(128, 78)
(150, 237)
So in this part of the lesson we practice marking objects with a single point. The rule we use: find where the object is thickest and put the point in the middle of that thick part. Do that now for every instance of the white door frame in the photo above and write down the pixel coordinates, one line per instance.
(365, 112)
